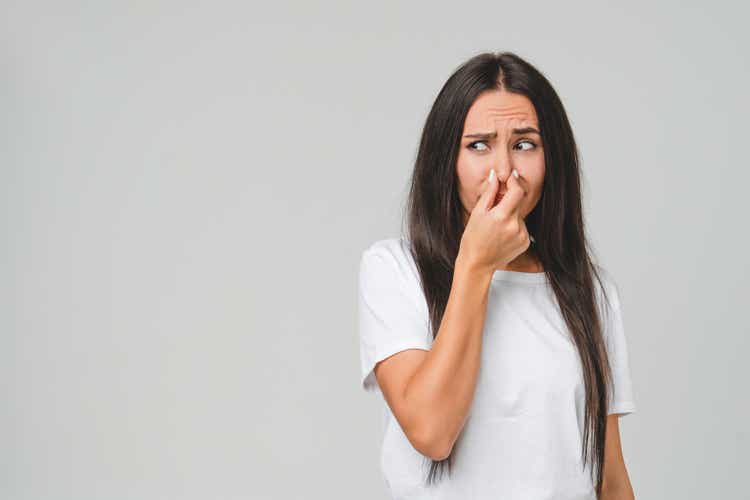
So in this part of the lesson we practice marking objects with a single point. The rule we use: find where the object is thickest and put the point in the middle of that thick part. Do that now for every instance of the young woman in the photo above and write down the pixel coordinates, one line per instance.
(492, 334)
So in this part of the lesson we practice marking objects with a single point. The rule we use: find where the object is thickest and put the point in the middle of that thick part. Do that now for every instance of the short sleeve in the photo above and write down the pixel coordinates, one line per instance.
(621, 397)
(392, 310)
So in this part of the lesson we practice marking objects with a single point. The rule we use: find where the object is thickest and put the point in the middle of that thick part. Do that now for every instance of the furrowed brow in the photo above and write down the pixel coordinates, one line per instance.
(493, 135)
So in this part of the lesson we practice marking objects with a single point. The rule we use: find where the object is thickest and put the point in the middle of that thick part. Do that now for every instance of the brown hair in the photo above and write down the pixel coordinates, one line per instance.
(435, 222)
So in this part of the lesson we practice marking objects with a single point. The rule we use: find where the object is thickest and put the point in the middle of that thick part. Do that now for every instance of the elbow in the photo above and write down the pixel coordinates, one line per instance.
(432, 445)
(440, 454)
(439, 450)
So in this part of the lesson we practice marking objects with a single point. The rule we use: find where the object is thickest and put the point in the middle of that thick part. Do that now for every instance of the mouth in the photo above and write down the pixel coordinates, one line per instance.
(499, 197)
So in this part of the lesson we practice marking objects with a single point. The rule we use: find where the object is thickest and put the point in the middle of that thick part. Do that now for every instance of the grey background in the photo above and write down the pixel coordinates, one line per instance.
(186, 190)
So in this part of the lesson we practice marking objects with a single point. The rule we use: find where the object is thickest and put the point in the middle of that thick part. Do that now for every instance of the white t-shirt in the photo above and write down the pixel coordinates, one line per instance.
(522, 437)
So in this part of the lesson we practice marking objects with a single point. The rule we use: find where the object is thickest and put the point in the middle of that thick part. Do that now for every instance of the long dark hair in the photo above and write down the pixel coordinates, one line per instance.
(435, 221)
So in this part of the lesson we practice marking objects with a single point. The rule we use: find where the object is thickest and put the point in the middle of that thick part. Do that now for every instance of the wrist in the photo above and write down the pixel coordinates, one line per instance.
(465, 265)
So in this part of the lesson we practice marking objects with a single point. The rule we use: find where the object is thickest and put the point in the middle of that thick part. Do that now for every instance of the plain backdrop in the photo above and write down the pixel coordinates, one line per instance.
(187, 188)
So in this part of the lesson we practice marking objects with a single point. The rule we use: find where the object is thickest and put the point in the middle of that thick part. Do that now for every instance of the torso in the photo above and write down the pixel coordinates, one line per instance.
(522, 437)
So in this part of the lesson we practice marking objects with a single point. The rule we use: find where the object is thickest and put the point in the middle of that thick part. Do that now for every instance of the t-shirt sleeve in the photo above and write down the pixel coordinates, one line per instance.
(621, 397)
(392, 311)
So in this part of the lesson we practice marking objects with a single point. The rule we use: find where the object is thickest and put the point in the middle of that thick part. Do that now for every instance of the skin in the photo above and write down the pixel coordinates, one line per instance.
(430, 391)
(501, 111)
(616, 482)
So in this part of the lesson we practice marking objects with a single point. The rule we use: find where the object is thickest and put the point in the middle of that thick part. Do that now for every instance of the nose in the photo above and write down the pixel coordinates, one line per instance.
(503, 168)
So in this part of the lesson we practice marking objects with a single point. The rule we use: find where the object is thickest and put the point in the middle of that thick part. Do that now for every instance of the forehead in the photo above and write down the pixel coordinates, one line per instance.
(500, 109)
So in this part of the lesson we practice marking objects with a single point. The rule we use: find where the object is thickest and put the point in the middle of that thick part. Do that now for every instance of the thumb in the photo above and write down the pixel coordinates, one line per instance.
(490, 190)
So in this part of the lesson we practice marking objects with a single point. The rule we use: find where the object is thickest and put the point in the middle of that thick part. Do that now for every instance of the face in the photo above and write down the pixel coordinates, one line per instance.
(495, 144)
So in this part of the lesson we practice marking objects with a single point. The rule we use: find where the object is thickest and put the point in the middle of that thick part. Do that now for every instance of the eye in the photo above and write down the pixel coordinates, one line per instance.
(526, 141)
(470, 146)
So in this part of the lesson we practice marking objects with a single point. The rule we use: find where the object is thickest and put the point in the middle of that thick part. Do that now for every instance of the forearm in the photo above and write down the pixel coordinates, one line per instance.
(617, 491)
(442, 389)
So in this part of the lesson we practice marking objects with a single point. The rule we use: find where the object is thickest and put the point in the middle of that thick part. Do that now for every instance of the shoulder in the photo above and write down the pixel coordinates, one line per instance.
(388, 262)
(394, 246)
(391, 253)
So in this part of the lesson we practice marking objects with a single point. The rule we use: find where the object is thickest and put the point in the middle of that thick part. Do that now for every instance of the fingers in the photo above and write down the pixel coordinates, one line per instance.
(511, 202)
(490, 190)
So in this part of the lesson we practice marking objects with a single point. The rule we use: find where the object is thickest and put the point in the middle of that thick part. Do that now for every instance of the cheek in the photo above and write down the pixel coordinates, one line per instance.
(533, 172)
(470, 175)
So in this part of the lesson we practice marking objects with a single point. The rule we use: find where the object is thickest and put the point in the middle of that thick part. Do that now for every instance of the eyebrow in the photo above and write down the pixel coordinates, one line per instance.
(492, 135)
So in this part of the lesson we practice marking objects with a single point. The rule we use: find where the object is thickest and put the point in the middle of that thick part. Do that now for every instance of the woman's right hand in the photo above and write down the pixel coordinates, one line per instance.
(495, 235)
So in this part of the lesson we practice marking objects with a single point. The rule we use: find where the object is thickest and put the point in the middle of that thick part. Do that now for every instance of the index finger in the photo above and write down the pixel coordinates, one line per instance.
(511, 202)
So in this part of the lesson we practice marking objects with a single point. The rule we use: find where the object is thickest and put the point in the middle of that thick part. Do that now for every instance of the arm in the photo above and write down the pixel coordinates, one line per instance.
(616, 483)
(430, 392)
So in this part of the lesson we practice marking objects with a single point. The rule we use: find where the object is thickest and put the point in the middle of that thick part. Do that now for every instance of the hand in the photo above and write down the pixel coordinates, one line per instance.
(495, 235)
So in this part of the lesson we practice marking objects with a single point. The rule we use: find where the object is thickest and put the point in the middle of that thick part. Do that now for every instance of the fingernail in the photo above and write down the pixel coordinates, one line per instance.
(515, 173)
(492, 175)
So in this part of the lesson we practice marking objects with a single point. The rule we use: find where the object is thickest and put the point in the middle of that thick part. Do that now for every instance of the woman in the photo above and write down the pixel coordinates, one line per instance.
(496, 341)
